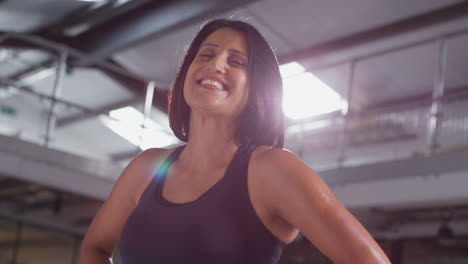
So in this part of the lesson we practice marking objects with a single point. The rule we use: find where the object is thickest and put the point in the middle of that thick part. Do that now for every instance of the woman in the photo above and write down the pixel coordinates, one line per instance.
(231, 194)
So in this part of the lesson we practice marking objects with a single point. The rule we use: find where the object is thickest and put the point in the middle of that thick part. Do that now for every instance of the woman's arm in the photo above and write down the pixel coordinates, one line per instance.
(104, 231)
(299, 196)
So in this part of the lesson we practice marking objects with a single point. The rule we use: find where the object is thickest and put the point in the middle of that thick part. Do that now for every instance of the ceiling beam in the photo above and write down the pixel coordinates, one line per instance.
(55, 169)
(44, 223)
(425, 20)
(29, 90)
(33, 69)
(109, 67)
(63, 122)
(6, 41)
(452, 94)
(153, 19)
(87, 17)
(71, 173)
(425, 165)
(139, 87)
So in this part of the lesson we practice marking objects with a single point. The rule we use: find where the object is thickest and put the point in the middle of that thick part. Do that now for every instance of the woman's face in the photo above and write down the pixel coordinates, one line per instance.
(217, 80)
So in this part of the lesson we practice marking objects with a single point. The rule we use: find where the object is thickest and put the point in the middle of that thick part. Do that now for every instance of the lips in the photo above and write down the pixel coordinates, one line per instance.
(212, 83)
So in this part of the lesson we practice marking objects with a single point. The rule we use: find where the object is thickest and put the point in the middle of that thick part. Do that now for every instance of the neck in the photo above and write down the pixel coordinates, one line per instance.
(211, 143)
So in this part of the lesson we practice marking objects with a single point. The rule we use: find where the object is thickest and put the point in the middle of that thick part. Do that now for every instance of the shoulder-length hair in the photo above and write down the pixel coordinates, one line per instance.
(262, 121)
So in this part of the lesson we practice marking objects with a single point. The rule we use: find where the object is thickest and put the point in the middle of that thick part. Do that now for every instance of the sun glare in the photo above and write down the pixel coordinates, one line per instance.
(305, 95)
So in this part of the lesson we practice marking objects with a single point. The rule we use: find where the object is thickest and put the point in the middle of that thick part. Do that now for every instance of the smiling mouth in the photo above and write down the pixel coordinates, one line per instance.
(207, 83)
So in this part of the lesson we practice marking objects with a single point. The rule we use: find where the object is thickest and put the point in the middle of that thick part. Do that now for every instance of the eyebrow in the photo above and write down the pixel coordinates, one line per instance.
(233, 50)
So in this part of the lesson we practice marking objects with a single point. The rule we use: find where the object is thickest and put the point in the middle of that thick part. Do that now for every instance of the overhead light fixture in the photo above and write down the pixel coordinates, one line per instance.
(121, 2)
(6, 91)
(38, 75)
(5, 54)
(305, 95)
(130, 124)
(9, 129)
(117, 3)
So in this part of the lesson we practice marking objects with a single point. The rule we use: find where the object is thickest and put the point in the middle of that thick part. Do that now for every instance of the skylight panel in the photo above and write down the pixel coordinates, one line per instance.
(305, 95)
(127, 122)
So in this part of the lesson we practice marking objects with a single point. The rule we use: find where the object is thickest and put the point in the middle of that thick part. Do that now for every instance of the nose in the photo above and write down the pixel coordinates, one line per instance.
(217, 65)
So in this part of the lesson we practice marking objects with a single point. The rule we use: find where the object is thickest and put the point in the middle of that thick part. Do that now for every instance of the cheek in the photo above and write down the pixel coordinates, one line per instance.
(245, 93)
(188, 77)
(188, 82)
(245, 86)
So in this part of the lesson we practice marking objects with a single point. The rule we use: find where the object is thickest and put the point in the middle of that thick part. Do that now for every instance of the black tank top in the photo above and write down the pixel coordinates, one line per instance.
(221, 226)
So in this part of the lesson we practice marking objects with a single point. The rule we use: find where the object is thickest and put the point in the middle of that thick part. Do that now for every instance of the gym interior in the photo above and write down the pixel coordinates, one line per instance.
(375, 101)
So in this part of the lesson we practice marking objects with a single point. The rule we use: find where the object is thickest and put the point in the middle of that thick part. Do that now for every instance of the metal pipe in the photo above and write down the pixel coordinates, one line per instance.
(76, 250)
(148, 101)
(300, 140)
(345, 111)
(96, 112)
(61, 67)
(73, 52)
(44, 223)
(29, 90)
(389, 50)
(4, 37)
(435, 119)
(17, 244)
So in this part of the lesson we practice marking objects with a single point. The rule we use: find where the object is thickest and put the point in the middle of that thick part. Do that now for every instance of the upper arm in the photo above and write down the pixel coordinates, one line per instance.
(300, 197)
(104, 231)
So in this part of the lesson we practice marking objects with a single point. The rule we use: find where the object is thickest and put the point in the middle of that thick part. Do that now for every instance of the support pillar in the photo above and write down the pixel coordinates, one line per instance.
(345, 112)
(435, 118)
(61, 67)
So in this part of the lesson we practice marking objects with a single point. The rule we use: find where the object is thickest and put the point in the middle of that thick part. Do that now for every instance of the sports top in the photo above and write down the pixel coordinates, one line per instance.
(221, 226)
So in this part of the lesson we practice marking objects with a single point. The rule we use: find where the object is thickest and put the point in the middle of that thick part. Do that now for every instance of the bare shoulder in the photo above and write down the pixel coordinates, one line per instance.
(286, 171)
(284, 178)
(150, 156)
(296, 194)
(269, 160)
(139, 172)
(146, 161)
(104, 231)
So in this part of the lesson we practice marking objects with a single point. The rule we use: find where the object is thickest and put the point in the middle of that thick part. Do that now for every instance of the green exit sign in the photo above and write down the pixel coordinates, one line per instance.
(8, 111)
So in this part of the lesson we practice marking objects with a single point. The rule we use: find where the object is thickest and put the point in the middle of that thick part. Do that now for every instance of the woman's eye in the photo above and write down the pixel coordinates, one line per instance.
(206, 55)
(238, 63)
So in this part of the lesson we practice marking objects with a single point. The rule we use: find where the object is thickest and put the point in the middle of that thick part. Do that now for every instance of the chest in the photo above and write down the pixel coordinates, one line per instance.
(227, 188)
(218, 226)
(182, 187)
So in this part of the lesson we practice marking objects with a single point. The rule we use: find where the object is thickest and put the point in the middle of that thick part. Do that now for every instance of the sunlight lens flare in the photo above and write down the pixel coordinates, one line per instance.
(305, 95)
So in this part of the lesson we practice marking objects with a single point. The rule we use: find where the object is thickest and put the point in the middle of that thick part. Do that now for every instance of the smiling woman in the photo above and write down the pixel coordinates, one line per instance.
(216, 82)
(261, 122)
(231, 194)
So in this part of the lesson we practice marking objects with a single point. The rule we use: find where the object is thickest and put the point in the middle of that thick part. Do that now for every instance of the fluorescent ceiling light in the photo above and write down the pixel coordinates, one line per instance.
(121, 2)
(38, 75)
(7, 91)
(305, 95)
(118, 2)
(8, 130)
(127, 122)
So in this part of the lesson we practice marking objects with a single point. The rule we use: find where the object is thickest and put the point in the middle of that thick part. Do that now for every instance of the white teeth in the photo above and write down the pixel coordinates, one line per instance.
(214, 83)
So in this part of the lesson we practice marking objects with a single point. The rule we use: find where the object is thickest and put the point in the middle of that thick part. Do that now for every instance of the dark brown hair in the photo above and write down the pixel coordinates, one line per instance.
(262, 121)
